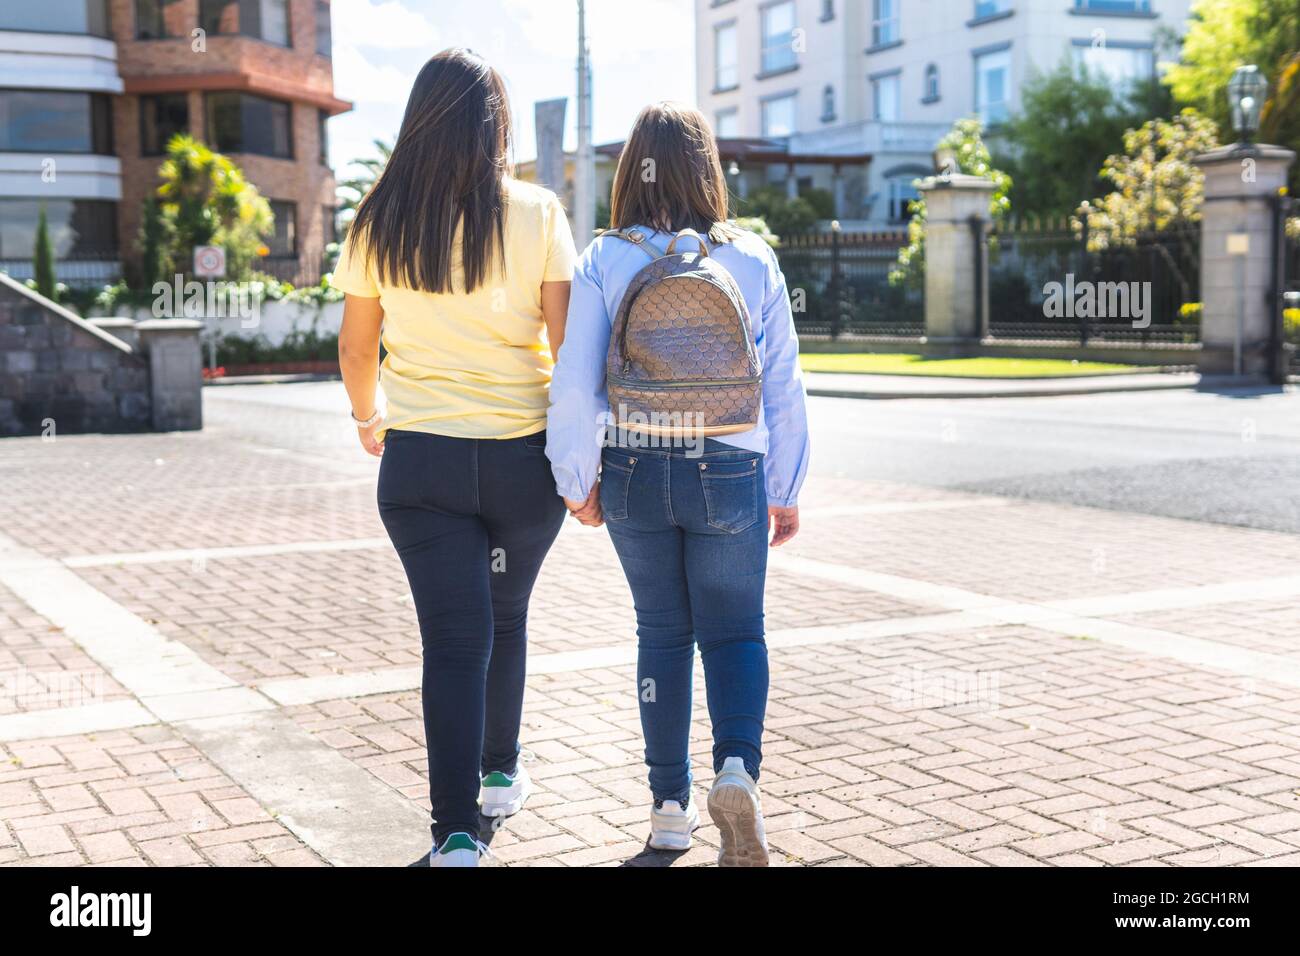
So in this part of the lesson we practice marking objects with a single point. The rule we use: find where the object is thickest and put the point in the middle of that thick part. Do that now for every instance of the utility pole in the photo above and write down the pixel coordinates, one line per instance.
(584, 177)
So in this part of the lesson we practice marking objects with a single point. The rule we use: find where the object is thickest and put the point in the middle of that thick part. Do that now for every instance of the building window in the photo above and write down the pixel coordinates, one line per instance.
(324, 38)
(727, 123)
(778, 37)
(329, 224)
(322, 126)
(56, 16)
(262, 19)
(150, 23)
(885, 98)
(989, 8)
(992, 86)
(779, 115)
(931, 84)
(901, 192)
(726, 72)
(1113, 6)
(55, 121)
(828, 104)
(162, 117)
(283, 241)
(1122, 66)
(243, 123)
(828, 10)
(78, 228)
(884, 22)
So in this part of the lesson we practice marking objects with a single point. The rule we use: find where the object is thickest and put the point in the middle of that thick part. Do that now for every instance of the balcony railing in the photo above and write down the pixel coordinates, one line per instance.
(80, 271)
(870, 136)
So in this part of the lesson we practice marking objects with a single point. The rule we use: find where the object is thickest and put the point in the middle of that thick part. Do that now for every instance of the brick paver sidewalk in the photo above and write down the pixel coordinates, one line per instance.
(208, 655)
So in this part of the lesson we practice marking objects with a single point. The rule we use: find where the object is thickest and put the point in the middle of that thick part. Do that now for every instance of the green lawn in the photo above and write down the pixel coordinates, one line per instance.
(890, 364)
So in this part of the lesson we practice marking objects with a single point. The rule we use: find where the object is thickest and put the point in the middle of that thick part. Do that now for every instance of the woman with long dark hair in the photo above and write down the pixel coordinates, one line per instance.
(689, 515)
(465, 271)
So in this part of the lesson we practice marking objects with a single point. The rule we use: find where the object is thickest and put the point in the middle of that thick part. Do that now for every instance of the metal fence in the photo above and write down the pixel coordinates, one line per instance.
(79, 272)
(1290, 285)
(839, 285)
(1045, 283)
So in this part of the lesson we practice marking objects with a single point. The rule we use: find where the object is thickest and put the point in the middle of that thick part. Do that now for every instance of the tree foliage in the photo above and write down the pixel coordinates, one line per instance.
(1155, 185)
(43, 258)
(353, 189)
(205, 200)
(1226, 34)
(966, 140)
(1070, 121)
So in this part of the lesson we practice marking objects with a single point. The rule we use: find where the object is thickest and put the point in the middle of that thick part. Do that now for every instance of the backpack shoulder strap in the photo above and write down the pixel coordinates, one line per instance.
(638, 239)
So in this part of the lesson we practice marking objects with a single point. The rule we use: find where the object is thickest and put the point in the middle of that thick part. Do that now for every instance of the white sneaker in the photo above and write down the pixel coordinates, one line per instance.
(671, 825)
(459, 849)
(735, 809)
(503, 795)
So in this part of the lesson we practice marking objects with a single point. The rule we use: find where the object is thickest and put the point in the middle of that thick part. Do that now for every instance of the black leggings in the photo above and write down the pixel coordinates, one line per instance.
(472, 520)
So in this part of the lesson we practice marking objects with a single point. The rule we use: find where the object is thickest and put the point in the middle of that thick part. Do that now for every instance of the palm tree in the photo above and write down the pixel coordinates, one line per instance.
(351, 191)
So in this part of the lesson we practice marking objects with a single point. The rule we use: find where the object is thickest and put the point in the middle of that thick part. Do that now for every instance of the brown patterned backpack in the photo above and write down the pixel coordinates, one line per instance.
(681, 355)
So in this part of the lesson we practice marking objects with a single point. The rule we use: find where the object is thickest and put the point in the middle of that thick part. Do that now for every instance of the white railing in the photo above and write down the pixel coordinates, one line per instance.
(870, 136)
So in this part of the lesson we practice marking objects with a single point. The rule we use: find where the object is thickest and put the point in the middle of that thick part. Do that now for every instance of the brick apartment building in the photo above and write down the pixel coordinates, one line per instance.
(100, 86)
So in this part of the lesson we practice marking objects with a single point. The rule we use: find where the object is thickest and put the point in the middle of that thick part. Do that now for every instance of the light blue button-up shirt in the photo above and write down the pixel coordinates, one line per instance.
(576, 420)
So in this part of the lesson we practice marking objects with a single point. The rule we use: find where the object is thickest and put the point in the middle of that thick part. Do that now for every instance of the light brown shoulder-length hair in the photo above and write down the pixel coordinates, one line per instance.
(447, 172)
(669, 176)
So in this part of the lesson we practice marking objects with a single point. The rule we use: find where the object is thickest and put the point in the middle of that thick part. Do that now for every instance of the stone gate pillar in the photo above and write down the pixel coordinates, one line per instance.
(175, 372)
(954, 292)
(1237, 257)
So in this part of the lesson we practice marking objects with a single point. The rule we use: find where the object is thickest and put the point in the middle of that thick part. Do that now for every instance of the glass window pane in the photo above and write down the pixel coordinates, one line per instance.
(324, 34)
(161, 118)
(992, 86)
(779, 116)
(728, 124)
(778, 36)
(55, 121)
(242, 123)
(725, 53)
(284, 239)
(83, 228)
(56, 16)
(885, 95)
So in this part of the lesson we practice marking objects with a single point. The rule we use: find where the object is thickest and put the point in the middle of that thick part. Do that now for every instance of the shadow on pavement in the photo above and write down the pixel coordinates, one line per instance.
(650, 857)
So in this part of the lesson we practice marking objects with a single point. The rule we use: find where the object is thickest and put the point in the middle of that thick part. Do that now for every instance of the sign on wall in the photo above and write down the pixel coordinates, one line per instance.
(209, 262)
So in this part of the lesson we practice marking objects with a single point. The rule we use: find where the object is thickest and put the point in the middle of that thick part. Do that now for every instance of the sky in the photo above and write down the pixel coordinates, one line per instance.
(641, 50)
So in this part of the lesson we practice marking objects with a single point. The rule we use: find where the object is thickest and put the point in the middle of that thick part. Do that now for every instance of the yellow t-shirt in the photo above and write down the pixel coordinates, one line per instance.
(473, 365)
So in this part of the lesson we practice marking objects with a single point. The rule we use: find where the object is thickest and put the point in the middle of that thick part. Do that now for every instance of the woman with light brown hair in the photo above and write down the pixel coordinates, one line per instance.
(689, 515)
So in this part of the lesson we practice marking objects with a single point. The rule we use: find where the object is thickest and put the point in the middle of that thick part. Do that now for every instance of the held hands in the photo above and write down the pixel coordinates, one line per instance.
(783, 522)
(587, 512)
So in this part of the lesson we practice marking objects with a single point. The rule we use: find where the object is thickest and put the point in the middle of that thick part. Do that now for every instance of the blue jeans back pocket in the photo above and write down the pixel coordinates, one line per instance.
(730, 498)
(615, 477)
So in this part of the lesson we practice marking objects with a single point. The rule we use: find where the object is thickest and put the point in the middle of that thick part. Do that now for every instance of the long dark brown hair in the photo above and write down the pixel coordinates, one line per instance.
(447, 169)
(669, 176)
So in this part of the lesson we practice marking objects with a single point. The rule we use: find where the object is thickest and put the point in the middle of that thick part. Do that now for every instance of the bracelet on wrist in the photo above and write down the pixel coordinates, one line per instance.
(366, 422)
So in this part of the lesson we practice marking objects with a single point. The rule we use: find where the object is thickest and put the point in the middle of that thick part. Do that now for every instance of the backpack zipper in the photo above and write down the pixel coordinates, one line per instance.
(662, 383)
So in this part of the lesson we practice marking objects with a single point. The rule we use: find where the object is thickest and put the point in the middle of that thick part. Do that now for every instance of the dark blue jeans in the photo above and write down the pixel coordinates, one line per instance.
(472, 520)
(691, 533)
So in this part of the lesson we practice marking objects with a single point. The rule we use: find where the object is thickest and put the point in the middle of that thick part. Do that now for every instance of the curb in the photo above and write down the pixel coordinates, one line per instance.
(1042, 391)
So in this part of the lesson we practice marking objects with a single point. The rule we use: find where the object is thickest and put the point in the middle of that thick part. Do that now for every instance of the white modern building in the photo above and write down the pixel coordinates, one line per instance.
(58, 74)
(852, 95)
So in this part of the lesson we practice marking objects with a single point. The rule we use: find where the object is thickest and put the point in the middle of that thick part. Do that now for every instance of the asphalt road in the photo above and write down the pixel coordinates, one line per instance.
(1227, 458)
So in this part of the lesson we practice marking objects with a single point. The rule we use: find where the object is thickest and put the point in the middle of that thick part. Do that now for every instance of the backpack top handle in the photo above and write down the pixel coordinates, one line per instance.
(638, 239)
(691, 233)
